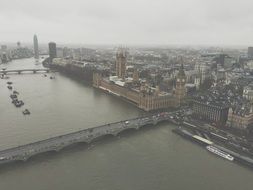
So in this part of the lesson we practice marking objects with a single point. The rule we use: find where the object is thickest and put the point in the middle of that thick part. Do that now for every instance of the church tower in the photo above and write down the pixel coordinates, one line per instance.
(198, 80)
(135, 75)
(121, 64)
(180, 85)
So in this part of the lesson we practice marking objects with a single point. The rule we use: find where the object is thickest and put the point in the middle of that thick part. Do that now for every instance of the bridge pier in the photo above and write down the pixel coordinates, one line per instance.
(115, 134)
(137, 127)
(22, 158)
(25, 159)
(58, 148)
(88, 141)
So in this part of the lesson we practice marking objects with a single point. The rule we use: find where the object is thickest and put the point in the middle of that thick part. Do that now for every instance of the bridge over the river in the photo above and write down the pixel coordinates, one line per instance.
(19, 71)
(87, 135)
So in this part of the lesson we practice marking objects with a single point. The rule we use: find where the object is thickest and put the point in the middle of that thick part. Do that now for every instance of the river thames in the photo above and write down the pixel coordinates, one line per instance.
(147, 159)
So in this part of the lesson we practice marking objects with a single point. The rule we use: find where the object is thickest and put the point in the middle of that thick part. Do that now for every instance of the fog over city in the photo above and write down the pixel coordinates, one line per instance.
(165, 22)
(126, 94)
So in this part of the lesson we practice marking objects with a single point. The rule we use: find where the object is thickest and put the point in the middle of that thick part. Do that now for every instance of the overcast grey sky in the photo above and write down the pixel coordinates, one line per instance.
(218, 22)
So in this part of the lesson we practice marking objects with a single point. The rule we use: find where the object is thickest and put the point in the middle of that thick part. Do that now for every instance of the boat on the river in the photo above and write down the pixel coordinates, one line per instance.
(13, 96)
(18, 103)
(26, 112)
(15, 92)
(220, 153)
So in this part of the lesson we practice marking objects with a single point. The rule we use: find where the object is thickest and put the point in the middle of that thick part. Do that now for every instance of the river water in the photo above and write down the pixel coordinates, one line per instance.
(148, 159)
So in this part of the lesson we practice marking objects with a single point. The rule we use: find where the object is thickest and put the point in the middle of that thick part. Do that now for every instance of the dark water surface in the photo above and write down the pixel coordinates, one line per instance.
(148, 159)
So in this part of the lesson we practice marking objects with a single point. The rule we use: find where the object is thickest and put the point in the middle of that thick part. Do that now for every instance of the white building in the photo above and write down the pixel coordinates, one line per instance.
(249, 64)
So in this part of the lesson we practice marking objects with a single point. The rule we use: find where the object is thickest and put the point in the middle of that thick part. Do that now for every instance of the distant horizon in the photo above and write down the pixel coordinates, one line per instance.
(61, 44)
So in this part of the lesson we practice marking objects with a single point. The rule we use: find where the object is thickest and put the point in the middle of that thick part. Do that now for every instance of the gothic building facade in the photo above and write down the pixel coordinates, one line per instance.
(121, 64)
(143, 96)
(180, 91)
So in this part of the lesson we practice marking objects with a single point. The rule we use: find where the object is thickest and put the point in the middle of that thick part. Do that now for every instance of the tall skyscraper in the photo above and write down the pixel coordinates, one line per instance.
(18, 44)
(250, 52)
(121, 64)
(36, 47)
(52, 50)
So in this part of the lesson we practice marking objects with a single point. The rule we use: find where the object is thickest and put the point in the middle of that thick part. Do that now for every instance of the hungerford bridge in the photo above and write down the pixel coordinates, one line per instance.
(57, 143)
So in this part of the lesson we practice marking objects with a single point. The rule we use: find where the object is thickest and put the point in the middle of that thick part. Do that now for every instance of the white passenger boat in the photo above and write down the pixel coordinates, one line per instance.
(220, 153)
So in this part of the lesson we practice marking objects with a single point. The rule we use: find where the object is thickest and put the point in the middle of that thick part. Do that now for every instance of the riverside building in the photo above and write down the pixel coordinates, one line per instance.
(240, 117)
(138, 91)
(210, 109)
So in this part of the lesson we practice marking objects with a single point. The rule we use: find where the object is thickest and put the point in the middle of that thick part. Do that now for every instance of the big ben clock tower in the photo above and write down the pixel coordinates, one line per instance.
(180, 85)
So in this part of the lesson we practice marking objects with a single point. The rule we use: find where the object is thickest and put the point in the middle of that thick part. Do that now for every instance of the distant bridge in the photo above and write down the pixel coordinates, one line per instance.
(19, 71)
(57, 143)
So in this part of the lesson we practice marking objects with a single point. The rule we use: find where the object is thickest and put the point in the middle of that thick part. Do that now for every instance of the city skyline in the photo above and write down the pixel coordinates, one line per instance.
(126, 94)
(191, 22)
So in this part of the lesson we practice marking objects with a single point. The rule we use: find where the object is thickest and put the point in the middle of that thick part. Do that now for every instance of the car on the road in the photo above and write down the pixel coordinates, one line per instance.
(2, 158)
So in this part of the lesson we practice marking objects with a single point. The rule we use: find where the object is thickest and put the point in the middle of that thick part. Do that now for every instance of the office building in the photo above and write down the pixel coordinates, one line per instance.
(52, 50)
(36, 47)
(250, 52)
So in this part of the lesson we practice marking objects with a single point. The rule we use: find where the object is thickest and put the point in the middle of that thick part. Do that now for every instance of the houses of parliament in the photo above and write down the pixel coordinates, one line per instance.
(137, 90)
